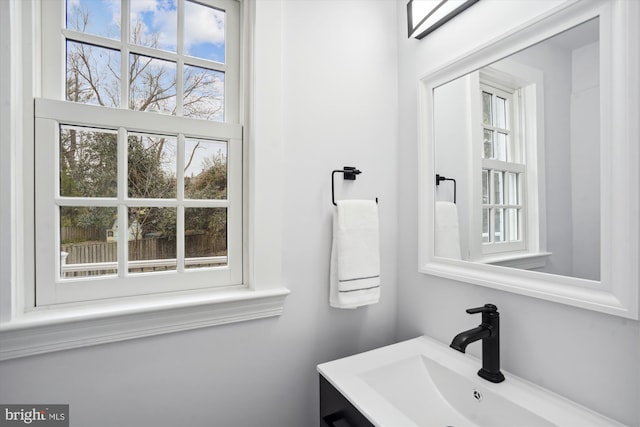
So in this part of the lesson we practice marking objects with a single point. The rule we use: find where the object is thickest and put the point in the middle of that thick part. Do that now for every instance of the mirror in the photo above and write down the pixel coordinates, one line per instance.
(535, 135)
(521, 138)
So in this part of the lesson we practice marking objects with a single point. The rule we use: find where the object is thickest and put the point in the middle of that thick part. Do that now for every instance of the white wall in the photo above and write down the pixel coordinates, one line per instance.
(589, 357)
(572, 156)
(555, 64)
(453, 136)
(339, 107)
(585, 161)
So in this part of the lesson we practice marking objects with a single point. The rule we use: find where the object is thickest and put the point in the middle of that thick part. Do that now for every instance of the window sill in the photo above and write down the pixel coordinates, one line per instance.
(522, 260)
(47, 330)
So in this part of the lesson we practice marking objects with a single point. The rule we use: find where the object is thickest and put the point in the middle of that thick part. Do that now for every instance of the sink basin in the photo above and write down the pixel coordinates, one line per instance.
(422, 382)
(432, 394)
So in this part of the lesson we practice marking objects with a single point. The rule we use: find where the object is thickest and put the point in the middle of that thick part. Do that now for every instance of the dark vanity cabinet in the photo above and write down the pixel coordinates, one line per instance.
(336, 410)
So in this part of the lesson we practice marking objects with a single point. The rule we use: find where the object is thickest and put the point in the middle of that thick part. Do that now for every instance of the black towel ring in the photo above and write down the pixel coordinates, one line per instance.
(440, 178)
(350, 173)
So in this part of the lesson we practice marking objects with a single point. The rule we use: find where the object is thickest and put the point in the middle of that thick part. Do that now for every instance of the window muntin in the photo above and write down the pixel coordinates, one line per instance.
(89, 231)
(173, 59)
(140, 195)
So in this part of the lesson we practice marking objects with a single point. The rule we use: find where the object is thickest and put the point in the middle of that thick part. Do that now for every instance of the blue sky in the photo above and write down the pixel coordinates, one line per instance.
(204, 26)
(204, 38)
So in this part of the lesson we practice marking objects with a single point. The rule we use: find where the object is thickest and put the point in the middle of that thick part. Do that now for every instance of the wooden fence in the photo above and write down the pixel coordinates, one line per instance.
(157, 248)
(82, 234)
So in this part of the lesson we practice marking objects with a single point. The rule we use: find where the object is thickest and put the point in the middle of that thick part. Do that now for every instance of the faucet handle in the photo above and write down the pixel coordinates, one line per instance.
(487, 308)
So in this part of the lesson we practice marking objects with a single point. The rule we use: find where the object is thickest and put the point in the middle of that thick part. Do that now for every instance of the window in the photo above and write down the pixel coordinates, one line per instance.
(508, 212)
(138, 149)
(160, 302)
(503, 170)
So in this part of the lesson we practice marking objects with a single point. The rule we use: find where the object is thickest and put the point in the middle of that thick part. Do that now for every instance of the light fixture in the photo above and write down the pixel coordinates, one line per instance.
(424, 16)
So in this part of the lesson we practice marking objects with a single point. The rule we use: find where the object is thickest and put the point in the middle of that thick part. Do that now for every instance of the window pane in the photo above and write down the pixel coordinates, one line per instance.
(154, 24)
(152, 166)
(153, 84)
(485, 187)
(88, 246)
(486, 109)
(203, 94)
(498, 187)
(205, 237)
(512, 188)
(205, 169)
(98, 17)
(488, 144)
(204, 32)
(512, 224)
(93, 75)
(498, 231)
(501, 147)
(501, 112)
(485, 226)
(88, 162)
(152, 239)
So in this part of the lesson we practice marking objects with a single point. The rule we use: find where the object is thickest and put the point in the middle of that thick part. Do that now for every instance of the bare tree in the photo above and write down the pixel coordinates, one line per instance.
(94, 77)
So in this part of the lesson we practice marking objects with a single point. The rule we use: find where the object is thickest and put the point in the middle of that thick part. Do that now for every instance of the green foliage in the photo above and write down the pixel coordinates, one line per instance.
(89, 157)
(88, 165)
(88, 168)
(211, 183)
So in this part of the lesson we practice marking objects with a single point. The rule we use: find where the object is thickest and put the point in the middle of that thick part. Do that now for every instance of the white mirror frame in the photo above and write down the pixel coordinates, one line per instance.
(618, 291)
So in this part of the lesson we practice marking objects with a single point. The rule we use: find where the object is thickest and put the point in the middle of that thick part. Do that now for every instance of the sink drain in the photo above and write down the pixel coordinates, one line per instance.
(477, 395)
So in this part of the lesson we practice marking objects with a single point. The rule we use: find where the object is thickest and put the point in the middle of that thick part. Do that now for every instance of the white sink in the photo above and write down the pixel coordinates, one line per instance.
(422, 382)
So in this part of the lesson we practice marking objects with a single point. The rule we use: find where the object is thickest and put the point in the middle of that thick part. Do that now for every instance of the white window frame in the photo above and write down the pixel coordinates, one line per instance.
(511, 95)
(51, 286)
(26, 329)
(527, 86)
(52, 110)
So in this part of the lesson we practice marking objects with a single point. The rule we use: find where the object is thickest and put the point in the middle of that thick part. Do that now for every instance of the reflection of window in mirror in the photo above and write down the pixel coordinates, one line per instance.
(506, 220)
(578, 82)
(521, 136)
(502, 169)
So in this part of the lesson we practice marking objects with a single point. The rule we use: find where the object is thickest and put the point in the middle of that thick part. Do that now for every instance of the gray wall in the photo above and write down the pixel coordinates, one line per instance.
(339, 105)
(572, 156)
(589, 357)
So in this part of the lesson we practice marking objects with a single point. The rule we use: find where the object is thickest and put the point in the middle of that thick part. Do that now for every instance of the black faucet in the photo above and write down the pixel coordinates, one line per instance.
(489, 333)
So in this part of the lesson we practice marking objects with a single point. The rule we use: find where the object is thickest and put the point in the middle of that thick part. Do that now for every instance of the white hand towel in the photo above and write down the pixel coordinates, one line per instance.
(447, 235)
(355, 255)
